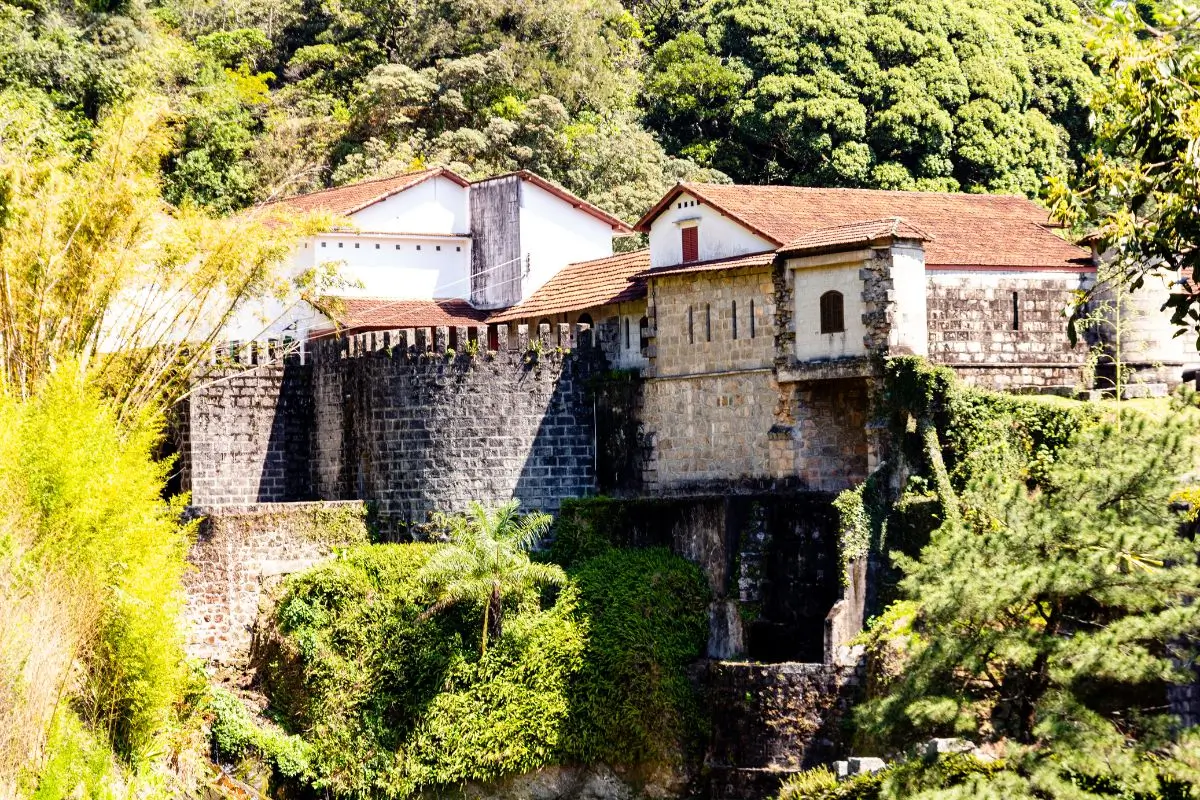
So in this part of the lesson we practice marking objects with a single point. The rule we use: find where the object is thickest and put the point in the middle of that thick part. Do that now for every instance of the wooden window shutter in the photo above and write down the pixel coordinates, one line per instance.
(691, 244)
(832, 316)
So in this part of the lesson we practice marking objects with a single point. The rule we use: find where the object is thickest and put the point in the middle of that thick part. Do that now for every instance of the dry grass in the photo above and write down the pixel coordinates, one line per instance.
(41, 628)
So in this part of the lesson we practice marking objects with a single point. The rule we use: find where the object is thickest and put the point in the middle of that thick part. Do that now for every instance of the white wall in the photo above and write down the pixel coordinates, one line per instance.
(554, 234)
(718, 236)
(393, 266)
(809, 283)
(436, 205)
(910, 324)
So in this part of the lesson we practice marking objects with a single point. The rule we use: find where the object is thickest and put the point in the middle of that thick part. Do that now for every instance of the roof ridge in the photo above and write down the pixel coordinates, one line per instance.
(367, 182)
(847, 189)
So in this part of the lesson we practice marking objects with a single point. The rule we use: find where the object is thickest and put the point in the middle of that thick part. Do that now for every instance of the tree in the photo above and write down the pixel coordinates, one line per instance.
(1138, 188)
(96, 271)
(1051, 619)
(486, 559)
(948, 95)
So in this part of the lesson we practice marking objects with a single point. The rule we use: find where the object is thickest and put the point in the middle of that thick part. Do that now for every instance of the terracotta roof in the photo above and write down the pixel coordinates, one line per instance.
(714, 265)
(374, 313)
(855, 233)
(563, 194)
(585, 284)
(346, 200)
(967, 229)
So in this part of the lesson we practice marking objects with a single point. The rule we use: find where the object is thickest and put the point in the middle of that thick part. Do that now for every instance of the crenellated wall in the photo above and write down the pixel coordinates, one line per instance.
(412, 421)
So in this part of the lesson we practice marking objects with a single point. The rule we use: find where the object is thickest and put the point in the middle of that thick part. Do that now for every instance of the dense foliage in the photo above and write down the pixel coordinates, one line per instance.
(91, 560)
(615, 101)
(1051, 603)
(1137, 193)
(391, 699)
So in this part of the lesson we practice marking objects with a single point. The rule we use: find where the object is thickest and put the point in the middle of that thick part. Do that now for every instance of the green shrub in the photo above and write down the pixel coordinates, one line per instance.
(646, 612)
(235, 734)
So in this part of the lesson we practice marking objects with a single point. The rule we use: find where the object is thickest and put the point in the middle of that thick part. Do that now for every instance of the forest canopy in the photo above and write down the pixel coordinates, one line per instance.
(615, 101)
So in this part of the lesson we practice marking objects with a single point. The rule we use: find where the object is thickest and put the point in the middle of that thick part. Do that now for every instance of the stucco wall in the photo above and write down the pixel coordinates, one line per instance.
(812, 278)
(718, 236)
(437, 205)
(554, 234)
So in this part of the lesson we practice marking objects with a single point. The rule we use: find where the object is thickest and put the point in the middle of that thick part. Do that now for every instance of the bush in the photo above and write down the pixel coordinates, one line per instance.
(235, 734)
(646, 612)
(393, 700)
(83, 526)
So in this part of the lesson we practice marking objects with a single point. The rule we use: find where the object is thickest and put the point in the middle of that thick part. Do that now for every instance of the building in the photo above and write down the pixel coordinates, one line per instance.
(430, 248)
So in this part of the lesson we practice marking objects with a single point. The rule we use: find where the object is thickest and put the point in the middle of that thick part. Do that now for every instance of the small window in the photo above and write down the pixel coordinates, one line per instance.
(324, 243)
(377, 245)
(627, 333)
(832, 316)
(707, 322)
(306, 245)
(458, 248)
(438, 248)
(418, 247)
(356, 245)
(1016, 312)
(691, 327)
(643, 330)
(341, 245)
(397, 247)
(751, 319)
(585, 319)
(733, 317)
(691, 243)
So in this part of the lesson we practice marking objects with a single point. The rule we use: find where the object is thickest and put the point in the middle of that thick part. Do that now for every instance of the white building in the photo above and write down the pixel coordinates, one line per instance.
(431, 248)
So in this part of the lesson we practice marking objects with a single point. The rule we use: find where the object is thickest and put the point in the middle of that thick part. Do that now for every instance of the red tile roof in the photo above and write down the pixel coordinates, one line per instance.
(967, 229)
(585, 284)
(714, 265)
(373, 313)
(855, 233)
(346, 200)
(562, 194)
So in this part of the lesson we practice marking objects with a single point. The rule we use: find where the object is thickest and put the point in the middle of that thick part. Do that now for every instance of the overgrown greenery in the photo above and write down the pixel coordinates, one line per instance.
(1046, 614)
(391, 700)
(91, 559)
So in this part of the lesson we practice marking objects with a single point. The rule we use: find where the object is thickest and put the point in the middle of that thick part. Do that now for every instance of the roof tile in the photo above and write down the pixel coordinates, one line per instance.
(855, 233)
(966, 229)
(374, 313)
(585, 284)
(346, 200)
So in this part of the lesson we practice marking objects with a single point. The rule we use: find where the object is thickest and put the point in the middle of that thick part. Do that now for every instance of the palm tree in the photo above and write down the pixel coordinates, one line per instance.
(486, 557)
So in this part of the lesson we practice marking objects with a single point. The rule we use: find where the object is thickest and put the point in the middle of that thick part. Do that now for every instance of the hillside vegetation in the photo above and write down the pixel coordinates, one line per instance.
(615, 102)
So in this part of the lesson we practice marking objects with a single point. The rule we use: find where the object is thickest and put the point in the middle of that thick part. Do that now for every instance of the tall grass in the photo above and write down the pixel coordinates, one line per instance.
(91, 560)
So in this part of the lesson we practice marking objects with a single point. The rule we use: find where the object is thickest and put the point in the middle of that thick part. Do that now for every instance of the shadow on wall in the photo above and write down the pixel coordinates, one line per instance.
(286, 476)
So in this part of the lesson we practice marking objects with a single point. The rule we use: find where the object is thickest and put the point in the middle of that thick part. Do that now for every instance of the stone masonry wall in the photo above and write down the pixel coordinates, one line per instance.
(971, 328)
(414, 430)
(709, 344)
(708, 428)
(240, 551)
(831, 433)
(245, 433)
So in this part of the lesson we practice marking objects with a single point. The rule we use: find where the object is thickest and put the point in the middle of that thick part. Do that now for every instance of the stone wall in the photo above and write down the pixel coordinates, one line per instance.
(245, 432)
(709, 428)
(772, 721)
(240, 551)
(972, 328)
(414, 430)
(830, 433)
(709, 343)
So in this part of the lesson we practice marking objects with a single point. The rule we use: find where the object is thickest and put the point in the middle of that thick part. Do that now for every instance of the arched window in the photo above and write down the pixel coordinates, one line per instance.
(585, 319)
(643, 337)
(832, 317)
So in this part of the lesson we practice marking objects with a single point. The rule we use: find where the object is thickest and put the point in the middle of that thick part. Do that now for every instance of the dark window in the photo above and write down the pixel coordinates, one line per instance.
(585, 319)
(691, 327)
(341, 244)
(643, 338)
(356, 245)
(438, 248)
(733, 312)
(324, 243)
(418, 247)
(751, 319)
(377, 246)
(458, 249)
(707, 322)
(627, 333)
(1016, 312)
(832, 316)
(397, 247)
(691, 243)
